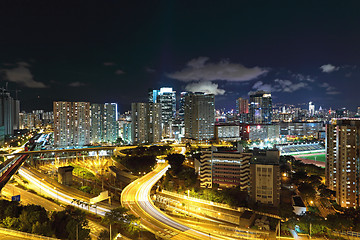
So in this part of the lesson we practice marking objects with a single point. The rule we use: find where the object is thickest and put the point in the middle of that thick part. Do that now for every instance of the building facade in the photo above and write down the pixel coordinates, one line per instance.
(301, 128)
(265, 177)
(146, 123)
(342, 160)
(199, 116)
(264, 131)
(260, 110)
(104, 125)
(242, 106)
(225, 168)
(71, 124)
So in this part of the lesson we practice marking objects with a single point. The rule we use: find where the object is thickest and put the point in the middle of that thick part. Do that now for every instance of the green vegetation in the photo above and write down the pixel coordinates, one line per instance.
(320, 158)
(142, 159)
(148, 151)
(121, 222)
(91, 190)
(82, 172)
(35, 219)
(138, 164)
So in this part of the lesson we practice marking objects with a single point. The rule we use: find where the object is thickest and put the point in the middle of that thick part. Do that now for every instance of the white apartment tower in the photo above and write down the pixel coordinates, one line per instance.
(146, 123)
(71, 123)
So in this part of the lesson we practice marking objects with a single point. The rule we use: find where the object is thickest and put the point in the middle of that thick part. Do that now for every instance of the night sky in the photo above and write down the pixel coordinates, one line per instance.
(114, 51)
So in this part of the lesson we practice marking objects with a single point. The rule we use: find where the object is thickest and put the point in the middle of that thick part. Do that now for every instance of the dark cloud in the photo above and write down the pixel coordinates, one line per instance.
(199, 69)
(77, 84)
(279, 85)
(109, 64)
(21, 75)
(119, 72)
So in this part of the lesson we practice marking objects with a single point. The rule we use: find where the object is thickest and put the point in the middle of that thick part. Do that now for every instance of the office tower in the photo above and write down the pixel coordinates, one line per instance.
(260, 110)
(311, 109)
(265, 177)
(358, 111)
(242, 106)
(167, 98)
(146, 122)
(182, 105)
(152, 95)
(225, 168)
(71, 123)
(199, 116)
(342, 160)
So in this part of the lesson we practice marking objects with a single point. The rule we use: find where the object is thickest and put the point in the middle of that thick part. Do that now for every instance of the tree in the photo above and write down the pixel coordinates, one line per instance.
(299, 177)
(104, 235)
(307, 189)
(314, 180)
(134, 224)
(11, 222)
(32, 214)
(69, 223)
(116, 216)
(175, 160)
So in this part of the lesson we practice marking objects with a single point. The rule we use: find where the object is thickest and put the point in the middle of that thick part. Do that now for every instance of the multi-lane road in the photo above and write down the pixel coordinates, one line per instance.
(136, 197)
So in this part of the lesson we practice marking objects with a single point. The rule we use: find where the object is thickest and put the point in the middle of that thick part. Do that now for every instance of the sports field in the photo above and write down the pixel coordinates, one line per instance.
(317, 157)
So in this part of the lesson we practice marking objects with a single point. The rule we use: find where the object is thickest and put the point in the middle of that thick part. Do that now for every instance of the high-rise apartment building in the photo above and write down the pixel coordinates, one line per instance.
(225, 168)
(146, 123)
(110, 124)
(96, 129)
(242, 106)
(9, 113)
(260, 109)
(71, 123)
(104, 125)
(342, 160)
(265, 177)
(199, 116)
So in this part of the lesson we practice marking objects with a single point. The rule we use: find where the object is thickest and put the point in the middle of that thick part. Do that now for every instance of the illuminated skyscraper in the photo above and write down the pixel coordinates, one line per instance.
(104, 125)
(311, 109)
(242, 106)
(199, 116)
(146, 123)
(166, 97)
(260, 110)
(71, 123)
(342, 160)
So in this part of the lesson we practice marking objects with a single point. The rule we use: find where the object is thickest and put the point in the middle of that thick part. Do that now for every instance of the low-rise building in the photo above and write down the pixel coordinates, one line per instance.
(225, 168)
(265, 177)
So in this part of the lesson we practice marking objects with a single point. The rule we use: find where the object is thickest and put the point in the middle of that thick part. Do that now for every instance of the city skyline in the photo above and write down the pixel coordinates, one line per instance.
(113, 52)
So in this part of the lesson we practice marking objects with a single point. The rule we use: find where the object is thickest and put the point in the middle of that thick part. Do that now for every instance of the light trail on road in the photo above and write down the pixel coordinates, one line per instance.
(56, 194)
(136, 197)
